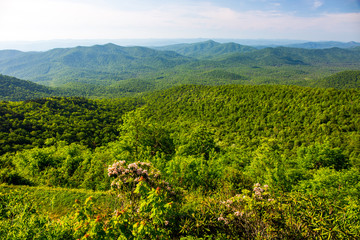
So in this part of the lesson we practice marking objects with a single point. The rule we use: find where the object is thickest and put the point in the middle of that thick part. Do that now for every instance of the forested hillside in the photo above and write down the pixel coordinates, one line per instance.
(85, 68)
(13, 89)
(46, 121)
(294, 56)
(341, 80)
(98, 63)
(194, 153)
(207, 50)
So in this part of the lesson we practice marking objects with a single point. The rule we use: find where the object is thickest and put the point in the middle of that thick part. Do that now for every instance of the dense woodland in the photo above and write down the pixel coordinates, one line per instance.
(216, 156)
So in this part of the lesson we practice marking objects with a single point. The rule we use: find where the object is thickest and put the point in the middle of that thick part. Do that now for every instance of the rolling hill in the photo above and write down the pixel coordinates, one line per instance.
(341, 80)
(207, 50)
(294, 56)
(104, 70)
(100, 62)
(13, 89)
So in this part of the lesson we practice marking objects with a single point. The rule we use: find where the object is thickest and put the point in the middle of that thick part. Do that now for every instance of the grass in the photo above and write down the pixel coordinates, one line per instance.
(57, 202)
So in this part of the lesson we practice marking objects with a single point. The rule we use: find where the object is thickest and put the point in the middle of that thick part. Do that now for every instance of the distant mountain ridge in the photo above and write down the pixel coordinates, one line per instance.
(96, 62)
(294, 56)
(9, 54)
(207, 50)
(70, 43)
(105, 65)
(323, 45)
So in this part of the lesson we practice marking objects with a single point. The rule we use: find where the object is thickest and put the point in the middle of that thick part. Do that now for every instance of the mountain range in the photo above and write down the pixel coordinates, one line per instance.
(258, 43)
(105, 64)
(323, 45)
(207, 50)
(110, 70)
(99, 62)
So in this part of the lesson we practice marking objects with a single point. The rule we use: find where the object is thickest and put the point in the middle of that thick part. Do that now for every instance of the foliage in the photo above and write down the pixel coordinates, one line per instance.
(13, 89)
(183, 162)
(43, 122)
(262, 214)
(318, 156)
(341, 80)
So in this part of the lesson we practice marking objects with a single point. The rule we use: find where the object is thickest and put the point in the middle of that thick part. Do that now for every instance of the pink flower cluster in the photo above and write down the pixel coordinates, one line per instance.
(238, 205)
(238, 214)
(137, 168)
(260, 192)
(226, 221)
(129, 175)
(133, 172)
(116, 168)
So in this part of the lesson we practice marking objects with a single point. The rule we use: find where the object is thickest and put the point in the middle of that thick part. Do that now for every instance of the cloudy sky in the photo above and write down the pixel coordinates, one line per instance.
(315, 20)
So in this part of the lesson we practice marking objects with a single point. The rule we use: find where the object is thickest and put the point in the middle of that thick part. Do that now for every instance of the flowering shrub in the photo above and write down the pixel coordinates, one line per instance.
(147, 207)
(150, 199)
(252, 215)
(134, 171)
(127, 177)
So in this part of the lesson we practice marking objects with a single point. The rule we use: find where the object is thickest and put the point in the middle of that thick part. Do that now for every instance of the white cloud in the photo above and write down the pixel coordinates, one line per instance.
(317, 4)
(56, 19)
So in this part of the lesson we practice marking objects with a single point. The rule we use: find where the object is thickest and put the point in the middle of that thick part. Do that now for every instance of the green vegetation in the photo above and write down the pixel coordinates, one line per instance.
(139, 143)
(341, 80)
(13, 89)
(182, 163)
(208, 49)
(44, 122)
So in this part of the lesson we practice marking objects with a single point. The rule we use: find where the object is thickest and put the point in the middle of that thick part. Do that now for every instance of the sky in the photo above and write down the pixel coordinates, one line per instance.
(313, 20)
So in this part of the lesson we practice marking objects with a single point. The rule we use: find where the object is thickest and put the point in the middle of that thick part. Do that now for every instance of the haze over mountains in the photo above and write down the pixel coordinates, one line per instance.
(111, 70)
(104, 62)
(258, 43)
(322, 45)
(100, 62)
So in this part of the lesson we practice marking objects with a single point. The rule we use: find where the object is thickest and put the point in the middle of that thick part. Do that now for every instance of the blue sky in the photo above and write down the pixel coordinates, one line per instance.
(313, 20)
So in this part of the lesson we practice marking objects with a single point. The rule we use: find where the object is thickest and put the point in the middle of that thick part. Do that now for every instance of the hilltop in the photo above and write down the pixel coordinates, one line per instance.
(13, 89)
(341, 80)
(207, 50)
